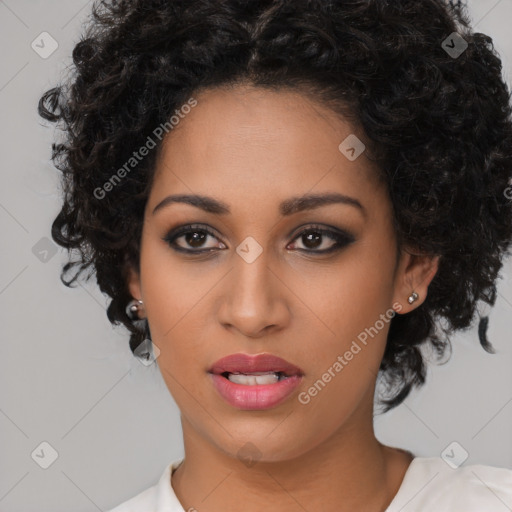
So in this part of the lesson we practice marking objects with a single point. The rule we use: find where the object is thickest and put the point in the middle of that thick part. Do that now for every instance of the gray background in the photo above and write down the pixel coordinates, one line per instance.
(68, 377)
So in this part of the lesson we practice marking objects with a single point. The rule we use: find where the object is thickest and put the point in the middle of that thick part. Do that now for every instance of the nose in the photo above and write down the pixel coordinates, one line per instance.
(254, 301)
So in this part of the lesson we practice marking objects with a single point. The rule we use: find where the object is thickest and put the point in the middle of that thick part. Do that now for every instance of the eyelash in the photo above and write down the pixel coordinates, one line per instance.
(340, 238)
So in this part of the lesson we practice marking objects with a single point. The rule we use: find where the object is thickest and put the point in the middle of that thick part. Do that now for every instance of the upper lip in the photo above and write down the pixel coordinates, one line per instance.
(245, 363)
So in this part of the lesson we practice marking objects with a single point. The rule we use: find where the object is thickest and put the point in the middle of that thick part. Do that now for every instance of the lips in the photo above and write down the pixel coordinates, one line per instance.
(248, 392)
(247, 364)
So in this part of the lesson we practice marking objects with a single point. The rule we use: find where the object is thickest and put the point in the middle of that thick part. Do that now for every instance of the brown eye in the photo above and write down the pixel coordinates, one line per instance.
(193, 237)
(314, 237)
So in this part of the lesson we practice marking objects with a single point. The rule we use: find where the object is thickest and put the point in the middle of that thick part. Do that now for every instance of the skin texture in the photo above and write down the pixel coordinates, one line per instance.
(252, 148)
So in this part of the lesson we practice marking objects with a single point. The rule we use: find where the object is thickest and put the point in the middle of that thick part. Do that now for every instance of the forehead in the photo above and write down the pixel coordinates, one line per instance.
(259, 143)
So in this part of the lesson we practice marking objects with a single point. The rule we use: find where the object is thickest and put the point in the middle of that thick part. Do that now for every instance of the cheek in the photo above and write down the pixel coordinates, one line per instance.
(343, 372)
(352, 315)
(173, 289)
(173, 296)
(349, 296)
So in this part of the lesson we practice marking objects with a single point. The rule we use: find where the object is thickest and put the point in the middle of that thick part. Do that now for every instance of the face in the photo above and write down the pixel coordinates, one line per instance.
(316, 287)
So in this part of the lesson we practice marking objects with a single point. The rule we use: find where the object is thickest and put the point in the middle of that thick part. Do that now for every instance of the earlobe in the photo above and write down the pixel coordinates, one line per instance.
(413, 279)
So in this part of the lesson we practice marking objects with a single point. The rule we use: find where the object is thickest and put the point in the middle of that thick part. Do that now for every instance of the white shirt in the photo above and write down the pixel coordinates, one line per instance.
(429, 485)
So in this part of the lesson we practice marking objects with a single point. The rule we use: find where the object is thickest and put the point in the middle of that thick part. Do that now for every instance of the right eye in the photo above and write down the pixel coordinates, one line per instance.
(193, 235)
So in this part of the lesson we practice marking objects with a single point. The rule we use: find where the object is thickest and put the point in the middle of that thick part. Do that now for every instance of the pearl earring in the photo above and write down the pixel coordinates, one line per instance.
(133, 308)
(414, 296)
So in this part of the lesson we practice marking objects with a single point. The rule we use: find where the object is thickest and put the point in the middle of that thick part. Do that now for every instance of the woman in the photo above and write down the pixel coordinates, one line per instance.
(283, 198)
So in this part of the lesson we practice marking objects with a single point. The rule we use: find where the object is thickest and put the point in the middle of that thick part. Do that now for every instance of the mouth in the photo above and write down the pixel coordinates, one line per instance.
(251, 382)
(255, 369)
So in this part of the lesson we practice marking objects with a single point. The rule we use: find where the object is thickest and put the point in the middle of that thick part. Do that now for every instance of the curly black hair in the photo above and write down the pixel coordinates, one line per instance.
(432, 103)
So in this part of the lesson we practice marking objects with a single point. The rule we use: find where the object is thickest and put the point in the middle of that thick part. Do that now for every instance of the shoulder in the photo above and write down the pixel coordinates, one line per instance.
(430, 483)
(157, 498)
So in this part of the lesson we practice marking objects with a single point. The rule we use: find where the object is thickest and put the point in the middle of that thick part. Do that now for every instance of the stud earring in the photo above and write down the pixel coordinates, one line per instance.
(133, 308)
(414, 296)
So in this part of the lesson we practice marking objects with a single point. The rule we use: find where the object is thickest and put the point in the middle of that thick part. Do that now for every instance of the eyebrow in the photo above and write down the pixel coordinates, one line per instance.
(286, 208)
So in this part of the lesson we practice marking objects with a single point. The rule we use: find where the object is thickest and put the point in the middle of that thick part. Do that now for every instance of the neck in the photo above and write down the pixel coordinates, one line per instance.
(348, 471)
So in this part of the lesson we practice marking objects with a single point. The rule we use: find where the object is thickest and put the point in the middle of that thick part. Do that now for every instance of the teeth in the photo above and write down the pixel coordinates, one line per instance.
(254, 378)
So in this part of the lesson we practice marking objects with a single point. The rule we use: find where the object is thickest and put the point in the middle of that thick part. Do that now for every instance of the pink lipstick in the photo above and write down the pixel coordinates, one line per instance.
(255, 382)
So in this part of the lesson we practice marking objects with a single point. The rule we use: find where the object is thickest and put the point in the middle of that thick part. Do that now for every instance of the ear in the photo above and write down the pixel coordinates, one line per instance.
(414, 274)
(133, 281)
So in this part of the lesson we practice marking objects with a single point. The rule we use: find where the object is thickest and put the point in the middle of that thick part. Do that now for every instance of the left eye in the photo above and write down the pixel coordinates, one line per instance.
(312, 239)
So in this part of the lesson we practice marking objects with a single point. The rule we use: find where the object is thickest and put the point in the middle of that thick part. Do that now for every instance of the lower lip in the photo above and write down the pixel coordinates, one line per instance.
(257, 397)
